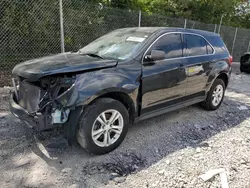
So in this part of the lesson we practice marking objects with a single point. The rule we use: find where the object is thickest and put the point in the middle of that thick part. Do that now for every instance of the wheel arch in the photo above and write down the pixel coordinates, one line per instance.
(125, 99)
(221, 75)
(70, 126)
(224, 77)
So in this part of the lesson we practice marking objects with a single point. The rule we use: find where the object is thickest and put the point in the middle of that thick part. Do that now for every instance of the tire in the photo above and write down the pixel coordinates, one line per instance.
(241, 70)
(70, 127)
(209, 104)
(90, 123)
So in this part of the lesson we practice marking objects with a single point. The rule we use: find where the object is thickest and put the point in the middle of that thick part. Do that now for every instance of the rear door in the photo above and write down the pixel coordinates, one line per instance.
(164, 81)
(198, 64)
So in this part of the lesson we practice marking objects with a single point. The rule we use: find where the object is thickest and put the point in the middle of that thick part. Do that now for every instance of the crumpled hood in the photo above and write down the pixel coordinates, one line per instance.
(62, 63)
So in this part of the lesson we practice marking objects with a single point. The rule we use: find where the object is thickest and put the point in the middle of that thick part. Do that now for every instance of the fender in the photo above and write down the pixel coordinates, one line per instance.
(220, 67)
(91, 85)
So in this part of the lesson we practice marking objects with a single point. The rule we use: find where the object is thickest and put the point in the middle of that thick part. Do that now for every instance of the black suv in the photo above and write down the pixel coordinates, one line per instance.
(245, 62)
(123, 77)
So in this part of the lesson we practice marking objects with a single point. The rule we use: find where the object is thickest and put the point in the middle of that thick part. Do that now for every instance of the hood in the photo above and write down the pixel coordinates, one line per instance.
(62, 63)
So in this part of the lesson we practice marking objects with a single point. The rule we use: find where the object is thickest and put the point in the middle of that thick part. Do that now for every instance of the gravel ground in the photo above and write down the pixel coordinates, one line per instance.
(171, 150)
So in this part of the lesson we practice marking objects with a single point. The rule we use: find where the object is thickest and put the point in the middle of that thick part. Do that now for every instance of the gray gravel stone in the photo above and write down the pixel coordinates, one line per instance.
(119, 179)
(74, 186)
(164, 148)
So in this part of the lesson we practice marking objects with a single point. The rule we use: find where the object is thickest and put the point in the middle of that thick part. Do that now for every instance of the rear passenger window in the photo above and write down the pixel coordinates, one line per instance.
(195, 45)
(209, 49)
(171, 44)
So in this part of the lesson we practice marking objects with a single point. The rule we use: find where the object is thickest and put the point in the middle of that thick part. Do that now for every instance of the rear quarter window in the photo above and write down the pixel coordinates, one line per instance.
(218, 44)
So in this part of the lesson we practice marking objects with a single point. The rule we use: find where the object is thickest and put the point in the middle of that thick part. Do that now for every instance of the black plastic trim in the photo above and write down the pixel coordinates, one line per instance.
(21, 113)
(36, 122)
(169, 108)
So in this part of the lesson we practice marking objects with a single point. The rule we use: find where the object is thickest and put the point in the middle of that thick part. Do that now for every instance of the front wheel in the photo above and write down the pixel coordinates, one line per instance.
(103, 126)
(215, 95)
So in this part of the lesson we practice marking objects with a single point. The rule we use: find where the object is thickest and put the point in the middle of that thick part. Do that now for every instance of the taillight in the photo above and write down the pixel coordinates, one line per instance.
(230, 59)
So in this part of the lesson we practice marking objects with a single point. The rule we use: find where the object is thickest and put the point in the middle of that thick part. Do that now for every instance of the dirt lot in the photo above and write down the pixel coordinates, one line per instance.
(171, 150)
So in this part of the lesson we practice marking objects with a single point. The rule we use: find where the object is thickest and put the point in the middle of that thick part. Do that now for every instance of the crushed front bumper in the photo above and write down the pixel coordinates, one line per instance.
(36, 122)
(21, 113)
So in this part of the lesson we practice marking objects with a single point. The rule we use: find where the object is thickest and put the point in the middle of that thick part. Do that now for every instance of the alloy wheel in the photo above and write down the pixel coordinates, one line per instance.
(217, 95)
(107, 128)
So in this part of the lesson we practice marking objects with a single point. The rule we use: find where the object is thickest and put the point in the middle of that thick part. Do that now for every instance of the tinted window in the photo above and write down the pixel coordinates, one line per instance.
(218, 44)
(195, 45)
(209, 49)
(171, 44)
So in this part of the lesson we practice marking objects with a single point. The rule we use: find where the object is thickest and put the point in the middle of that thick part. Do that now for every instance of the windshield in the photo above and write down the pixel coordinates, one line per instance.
(119, 44)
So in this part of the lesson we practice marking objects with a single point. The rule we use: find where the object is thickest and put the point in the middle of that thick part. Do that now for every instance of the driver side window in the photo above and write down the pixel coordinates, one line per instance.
(171, 44)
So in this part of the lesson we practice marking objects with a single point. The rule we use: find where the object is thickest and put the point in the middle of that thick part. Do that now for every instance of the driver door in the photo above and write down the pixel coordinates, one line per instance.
(164, 81)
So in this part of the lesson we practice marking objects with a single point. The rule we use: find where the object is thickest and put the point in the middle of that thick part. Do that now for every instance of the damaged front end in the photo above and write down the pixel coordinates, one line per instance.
(43, 104)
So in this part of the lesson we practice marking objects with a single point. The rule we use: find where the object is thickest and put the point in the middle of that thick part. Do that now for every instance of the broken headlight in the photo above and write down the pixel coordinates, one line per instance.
(64, 97)
(56, 91)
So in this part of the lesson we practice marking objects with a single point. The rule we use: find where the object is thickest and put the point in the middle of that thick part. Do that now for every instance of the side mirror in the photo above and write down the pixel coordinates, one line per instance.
(156, 55)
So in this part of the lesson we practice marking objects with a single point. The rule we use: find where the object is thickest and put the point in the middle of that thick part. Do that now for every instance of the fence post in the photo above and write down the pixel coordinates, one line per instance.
(139, 21)
(220, 23)
(193, 25)
(215, 27)
(185, 24)
(248, 46)
(235, 35)
(61, 26)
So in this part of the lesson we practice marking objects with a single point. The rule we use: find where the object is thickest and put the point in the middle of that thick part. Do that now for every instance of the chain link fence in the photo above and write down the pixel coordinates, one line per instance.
(85, 22)
(31, 29)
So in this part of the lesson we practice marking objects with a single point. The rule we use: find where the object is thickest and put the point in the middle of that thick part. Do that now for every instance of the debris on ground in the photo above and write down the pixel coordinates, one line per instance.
(242, 107)
(211, 173)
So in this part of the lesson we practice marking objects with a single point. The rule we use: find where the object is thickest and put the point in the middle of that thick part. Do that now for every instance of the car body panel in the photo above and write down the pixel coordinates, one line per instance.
(163, 84)
(220, 66)
(35, 69)
(198, 70)
(125, 78)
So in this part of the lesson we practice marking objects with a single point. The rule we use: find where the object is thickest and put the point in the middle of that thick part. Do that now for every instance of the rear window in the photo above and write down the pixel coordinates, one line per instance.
(196, 45)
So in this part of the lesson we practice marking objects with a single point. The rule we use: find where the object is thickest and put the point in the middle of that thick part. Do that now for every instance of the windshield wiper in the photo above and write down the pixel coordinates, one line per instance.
(92, 55)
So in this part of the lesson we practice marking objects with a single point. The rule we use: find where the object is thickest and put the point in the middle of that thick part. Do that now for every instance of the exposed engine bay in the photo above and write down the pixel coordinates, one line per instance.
(46, 99)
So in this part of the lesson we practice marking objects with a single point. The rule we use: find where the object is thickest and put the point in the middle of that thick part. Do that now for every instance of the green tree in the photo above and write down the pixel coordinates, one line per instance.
(235, 12)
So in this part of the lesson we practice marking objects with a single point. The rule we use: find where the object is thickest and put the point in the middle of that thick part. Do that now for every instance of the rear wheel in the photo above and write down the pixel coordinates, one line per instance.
(103, 126)
(215, 95)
